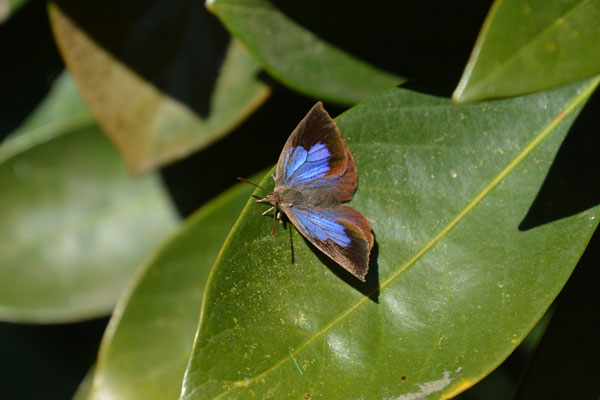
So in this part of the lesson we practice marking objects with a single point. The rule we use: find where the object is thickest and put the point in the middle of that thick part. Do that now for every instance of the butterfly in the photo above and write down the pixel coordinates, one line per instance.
(315, 175)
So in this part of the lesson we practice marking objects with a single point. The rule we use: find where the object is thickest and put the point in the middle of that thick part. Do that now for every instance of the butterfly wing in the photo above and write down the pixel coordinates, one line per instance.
(315, 157)
(341, 232)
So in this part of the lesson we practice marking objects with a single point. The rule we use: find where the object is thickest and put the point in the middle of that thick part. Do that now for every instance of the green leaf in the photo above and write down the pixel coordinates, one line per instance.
(9, 7)
(85, 387)
(75, 223)
(145, 350)
(297, 56)
(569, 349)
(61, 112)
(454, 284)
(147, 122)
(526, 47)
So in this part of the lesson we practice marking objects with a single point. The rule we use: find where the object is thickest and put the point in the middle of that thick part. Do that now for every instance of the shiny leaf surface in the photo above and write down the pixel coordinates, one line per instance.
(529, 46)
(76, 223)
(300, 57)
(467, 259)
(145, 350)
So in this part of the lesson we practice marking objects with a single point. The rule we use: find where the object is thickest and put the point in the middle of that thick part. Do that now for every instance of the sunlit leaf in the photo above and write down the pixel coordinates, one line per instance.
(467, 259)
(145, 351)
(529, 46)
(300, 57)
(75, 223)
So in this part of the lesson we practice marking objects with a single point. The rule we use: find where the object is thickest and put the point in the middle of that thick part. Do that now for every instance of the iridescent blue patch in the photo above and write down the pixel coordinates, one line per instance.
(321, 225)
(304, 166)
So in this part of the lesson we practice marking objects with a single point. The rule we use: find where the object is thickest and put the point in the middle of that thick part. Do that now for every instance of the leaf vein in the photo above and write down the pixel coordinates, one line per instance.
(511, 166)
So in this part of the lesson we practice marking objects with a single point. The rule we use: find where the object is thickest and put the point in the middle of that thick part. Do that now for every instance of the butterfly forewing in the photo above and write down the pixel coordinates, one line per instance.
(316, 157)
(318, 136)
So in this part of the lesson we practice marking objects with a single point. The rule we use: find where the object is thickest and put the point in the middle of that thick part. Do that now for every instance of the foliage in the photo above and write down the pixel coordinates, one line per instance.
(480, 211)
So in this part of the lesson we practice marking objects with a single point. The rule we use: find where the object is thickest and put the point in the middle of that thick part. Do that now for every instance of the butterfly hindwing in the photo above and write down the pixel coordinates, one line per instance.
(340, 232)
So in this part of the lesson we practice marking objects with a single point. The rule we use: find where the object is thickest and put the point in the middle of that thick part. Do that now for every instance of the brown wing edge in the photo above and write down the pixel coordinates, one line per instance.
(347, 185)
(358, 226)
(363, 224)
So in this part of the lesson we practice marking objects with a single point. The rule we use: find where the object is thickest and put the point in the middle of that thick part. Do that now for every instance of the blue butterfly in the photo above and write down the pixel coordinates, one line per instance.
(315, 175)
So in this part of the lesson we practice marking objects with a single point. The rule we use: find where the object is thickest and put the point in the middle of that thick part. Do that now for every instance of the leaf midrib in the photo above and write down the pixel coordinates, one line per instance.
(539, 138)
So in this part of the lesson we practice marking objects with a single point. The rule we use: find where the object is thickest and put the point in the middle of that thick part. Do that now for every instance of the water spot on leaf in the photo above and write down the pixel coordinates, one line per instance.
(427, 388)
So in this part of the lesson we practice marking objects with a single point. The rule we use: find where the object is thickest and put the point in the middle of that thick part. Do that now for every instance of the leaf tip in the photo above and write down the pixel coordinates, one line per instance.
(462, 94)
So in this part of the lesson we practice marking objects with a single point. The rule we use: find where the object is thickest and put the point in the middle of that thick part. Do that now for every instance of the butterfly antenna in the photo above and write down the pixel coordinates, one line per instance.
(252, 183)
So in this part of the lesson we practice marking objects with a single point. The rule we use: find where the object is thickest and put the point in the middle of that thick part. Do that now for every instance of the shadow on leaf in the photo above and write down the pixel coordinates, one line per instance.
(25, 75)
(405, 38)
(370, 287)
(571, 185)
(177, 46)
(253, 146)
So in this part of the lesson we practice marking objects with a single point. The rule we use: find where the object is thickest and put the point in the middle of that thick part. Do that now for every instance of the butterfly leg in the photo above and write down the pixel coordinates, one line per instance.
(268, 211)
(273, 176)
(279, 217)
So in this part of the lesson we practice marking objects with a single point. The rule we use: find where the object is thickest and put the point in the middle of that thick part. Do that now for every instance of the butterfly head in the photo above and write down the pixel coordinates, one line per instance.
(273, 198)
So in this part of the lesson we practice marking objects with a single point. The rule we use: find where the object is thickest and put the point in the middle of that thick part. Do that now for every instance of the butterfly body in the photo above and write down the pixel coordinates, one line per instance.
(315, 175)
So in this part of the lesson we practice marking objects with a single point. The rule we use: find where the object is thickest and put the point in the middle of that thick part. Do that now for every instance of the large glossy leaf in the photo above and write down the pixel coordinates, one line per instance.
(458, 276)
(158, 100)
(300, 57)
(75, 223)
(145, 350)
(526, 47)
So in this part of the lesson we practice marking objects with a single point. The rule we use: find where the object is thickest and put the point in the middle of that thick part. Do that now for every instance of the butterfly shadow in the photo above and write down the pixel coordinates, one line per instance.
(370, 287)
